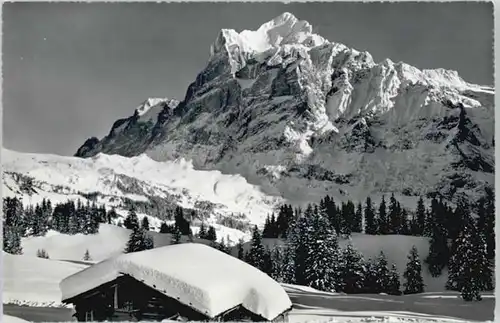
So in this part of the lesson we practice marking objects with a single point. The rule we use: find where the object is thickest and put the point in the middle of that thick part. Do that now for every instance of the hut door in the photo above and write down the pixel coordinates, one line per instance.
(89, 316)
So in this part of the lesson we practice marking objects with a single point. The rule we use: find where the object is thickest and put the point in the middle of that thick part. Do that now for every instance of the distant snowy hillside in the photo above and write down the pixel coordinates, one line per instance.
(304, 117)
(32, 281)
(153, 187)
(109, 242)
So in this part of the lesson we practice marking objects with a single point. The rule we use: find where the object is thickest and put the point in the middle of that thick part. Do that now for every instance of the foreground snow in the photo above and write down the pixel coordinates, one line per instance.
(207, 279)
(32, 281)
(316, 314)
(12, 319)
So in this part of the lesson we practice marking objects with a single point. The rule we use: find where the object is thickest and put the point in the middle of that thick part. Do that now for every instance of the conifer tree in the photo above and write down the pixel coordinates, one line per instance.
(323, 260)
(131, 222)
(383, 224)
(278, 261)
(414, 282)
(145, 223)
(42, 253)
(111, 215)
(438, 249)
(348, 218)
(241, 251)
(370, 285)
(139, 240)
(353, 271)
(394, 216)
(394, 287)
(333, 214)
(211, 234)
(222, 246)
(463, 269)
(420, 218)
(12, 240)
(298, 241)
(255, 255)
(86, 256)
(406, 223)
(177, 236)
(165, 228)
(370, 220)
(268, 266)
(383, 274)
(202, 233)
(358, 219)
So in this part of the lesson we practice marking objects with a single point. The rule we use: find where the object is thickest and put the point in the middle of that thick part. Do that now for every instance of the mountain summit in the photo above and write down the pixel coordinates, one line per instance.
(302, 117)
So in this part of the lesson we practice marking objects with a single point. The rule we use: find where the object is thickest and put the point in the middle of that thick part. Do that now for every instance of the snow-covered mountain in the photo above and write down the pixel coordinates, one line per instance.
(153, 187)
(302, 117)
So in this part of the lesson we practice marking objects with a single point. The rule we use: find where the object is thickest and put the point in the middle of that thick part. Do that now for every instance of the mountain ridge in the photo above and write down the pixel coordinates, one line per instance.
(287, 109)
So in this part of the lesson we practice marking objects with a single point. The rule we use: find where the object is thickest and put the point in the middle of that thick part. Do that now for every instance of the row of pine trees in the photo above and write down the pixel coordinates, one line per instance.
(38, 219)
(311, 255)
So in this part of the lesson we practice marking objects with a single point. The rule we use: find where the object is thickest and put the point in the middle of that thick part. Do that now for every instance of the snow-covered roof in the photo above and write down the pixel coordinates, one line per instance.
(208, 280)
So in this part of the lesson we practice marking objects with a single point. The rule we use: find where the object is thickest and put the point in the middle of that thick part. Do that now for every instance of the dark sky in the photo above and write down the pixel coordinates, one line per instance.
(71, 69)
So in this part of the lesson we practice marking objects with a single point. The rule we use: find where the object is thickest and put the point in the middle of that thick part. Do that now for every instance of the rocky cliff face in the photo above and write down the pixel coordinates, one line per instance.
(302, 117)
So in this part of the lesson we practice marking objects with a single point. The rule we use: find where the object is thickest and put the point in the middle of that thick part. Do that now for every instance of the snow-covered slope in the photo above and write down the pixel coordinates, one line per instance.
(109, 242)
(32, 281)
(154, 187)
(207, 279)
(289, 110)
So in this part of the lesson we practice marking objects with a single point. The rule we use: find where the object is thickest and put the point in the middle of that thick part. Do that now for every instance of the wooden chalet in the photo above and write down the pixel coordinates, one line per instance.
(139, 298)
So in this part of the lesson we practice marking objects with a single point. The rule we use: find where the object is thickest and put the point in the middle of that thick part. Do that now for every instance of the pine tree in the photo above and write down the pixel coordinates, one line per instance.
(383, 224)
(211, 234)
(131, 222)
(111, 215)
(394, 287)
(268, 262)
(465, 264)
(41, 253)
(420, 218)
(12, 240)
(202, 233)
(438, 250)
(145, 223)
(176, 237)
(370, 285)
(241, 251)
(348, 218)
(413, 274)
(277, 261)
(164, 228)
(370, 220)
(486, 221)
(323, 260)
(358, 219)
(353, 271)
(86, 256)
(256, 254)
(394, 216)
(139, 240)
(406, 223)
(383, 274)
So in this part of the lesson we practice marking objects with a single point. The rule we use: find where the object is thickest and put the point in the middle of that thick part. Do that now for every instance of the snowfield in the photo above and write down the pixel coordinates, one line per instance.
(109, 242)
(32, 281)
(12, 319)
(207, 279)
